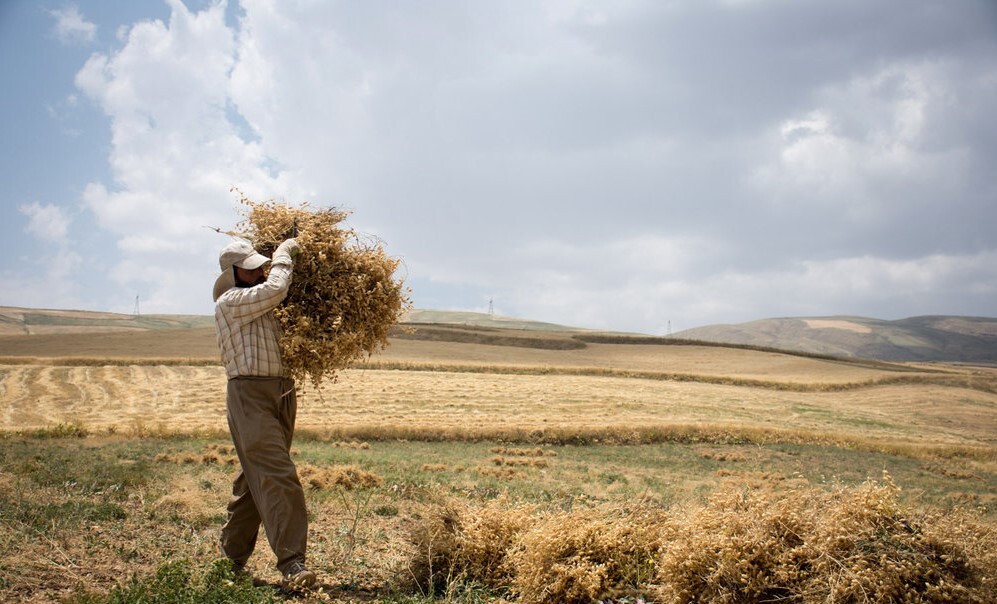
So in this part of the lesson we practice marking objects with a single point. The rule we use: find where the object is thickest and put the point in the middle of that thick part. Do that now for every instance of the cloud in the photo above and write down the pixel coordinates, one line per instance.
(175, 154)
(46, 275)
(71, 27)
(875, 155)
(46, 221)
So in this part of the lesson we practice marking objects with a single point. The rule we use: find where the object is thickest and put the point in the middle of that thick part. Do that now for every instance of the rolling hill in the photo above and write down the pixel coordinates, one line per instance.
(927, 338)
(30, 321)
(919, 339)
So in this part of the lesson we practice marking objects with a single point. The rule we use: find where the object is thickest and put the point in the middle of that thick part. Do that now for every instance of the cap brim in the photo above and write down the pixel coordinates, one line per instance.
(252, 262)
(223, 283)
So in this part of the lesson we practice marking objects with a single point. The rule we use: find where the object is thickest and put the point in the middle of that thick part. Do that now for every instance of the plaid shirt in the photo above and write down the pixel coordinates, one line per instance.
(247, 331)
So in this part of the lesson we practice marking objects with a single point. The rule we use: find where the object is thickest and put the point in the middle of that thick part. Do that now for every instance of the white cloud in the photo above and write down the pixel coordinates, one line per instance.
(71, 27)
(47, 221)
(175, 154)
(51, 282)
(46, 275)
(865, 150)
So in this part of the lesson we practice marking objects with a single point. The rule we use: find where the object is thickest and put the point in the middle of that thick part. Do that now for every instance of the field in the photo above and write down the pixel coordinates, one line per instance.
(454, 440)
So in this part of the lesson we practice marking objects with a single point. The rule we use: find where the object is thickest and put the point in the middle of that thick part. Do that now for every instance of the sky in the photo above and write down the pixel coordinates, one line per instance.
(638, 165)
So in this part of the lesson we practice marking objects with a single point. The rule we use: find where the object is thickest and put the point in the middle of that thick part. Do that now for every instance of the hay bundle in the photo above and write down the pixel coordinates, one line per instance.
(344, 296)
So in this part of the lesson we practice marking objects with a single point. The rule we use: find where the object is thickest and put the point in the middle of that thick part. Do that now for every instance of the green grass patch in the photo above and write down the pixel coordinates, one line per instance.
(52, 517)
(183, 582)
(78, 465)
(669, 472)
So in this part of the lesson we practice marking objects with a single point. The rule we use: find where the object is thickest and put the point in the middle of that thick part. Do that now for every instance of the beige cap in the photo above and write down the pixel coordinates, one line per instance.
(238, 253)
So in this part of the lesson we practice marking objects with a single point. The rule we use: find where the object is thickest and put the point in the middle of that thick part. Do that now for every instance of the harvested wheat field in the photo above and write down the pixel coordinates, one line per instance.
(483, 402)
(474, 465)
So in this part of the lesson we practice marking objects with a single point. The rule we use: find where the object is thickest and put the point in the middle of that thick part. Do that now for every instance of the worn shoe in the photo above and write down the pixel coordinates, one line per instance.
(297, 576)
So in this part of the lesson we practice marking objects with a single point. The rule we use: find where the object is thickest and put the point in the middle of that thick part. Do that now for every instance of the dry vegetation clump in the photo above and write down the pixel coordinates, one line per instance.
(852, 545)
(805, 544)
(347, 477)
(188, 499)
(530, 462)
(534, 452)
(503, 473)
(456, 542)
(212, 455)
(221, 449)
(344, 296)
(723, 455)
(586, 555)
(209, 458)
(352, 444)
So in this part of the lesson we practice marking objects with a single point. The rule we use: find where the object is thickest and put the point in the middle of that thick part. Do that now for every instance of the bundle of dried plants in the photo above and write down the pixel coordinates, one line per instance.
(344, 296)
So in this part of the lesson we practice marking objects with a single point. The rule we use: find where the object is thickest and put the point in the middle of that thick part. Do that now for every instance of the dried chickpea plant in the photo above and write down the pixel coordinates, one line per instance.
(344, 295)
(804, 544)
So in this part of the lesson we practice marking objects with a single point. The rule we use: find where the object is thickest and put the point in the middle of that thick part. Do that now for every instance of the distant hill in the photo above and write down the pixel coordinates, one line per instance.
(24, 321)
(927, 338)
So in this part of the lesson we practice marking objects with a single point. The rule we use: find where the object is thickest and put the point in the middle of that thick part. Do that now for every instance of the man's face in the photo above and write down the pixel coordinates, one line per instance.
(249, 278)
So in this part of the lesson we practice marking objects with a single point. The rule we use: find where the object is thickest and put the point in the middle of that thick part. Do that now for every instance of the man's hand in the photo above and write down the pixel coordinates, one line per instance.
(289, 247)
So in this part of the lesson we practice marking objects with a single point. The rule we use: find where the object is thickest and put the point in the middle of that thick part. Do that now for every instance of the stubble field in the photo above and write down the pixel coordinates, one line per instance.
(115, 465)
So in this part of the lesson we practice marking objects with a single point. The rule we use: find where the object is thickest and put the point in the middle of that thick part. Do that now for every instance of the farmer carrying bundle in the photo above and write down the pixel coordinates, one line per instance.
(273, 328)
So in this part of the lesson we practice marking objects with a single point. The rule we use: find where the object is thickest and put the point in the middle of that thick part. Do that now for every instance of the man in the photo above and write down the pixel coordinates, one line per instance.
(261, 402)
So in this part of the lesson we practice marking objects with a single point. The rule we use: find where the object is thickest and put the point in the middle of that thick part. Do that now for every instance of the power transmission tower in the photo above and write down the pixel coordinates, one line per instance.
(491, 307)
(136, 312)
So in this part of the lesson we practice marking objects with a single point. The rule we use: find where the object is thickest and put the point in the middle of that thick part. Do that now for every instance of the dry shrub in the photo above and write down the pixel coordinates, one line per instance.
(221, 449)
(182, 458)
(723, 455)
(519, 461)
(503, 473)
(518, 452)
(209, 458)
(457, 542)
(586, 555)
(348, 477)
(353, 444)
(853, 544)
(437, 558)
(343, 297)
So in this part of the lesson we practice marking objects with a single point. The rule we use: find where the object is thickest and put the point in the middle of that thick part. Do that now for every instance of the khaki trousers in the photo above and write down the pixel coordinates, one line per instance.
(261, 414)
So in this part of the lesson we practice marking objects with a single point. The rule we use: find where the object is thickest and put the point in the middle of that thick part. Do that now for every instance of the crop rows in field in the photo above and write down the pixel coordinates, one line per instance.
(501, 403)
